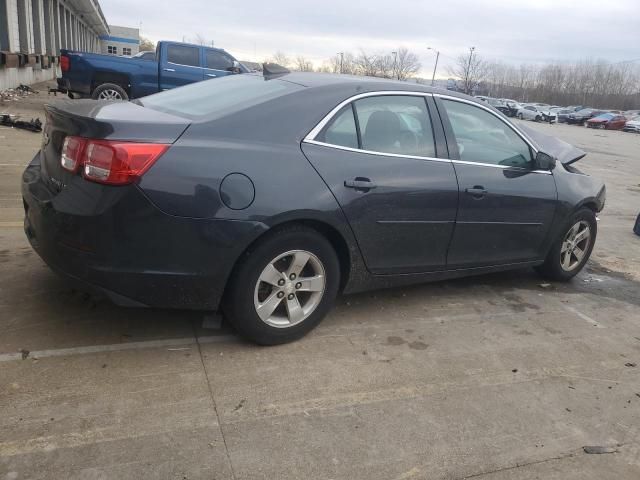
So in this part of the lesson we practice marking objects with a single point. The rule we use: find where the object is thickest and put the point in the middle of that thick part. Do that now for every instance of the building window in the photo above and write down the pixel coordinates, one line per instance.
(112, 50)
(126, 51)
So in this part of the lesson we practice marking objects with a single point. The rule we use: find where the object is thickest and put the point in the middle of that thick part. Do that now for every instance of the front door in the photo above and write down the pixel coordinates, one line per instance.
(506, 205)
(180, 65)
(216, 64)
(378, 157)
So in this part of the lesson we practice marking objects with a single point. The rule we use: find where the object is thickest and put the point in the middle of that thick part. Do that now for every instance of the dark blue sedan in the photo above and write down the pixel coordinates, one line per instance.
(266, 196)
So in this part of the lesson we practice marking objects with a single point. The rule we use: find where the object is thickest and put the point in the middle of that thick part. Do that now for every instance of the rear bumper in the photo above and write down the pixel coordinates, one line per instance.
(118, 244)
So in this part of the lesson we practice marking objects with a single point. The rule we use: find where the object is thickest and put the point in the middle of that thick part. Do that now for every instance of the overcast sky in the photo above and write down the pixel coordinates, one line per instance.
(513, 31)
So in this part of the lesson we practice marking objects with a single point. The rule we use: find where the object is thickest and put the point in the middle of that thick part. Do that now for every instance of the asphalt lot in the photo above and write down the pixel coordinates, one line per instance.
(494, 377)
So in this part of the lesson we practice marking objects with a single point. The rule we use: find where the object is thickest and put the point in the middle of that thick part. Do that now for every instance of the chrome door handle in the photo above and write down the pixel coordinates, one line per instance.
(211, 75)
(360, 183)
(169, 69)
(477, 191)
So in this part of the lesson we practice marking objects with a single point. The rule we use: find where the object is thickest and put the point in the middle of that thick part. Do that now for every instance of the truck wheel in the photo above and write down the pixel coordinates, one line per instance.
(109, 91)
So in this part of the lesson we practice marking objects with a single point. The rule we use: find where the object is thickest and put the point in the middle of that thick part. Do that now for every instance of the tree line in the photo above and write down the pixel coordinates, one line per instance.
(401, 64)
(593, 83)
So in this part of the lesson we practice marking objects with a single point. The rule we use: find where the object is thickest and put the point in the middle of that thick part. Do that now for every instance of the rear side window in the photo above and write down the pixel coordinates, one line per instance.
(341, 130)
(218, 60)
(217, 98)
(395, 124)
(183, 55)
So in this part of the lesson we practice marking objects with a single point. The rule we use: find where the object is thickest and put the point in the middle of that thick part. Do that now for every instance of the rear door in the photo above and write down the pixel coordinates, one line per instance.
(506, 205)
(216, 64)
(180, 65)
(398, 191)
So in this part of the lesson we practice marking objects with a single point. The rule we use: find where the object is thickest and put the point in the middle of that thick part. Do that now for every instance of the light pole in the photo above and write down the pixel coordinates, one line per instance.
(433, 77)
(395, 62)
(341, 57)
(468, 79)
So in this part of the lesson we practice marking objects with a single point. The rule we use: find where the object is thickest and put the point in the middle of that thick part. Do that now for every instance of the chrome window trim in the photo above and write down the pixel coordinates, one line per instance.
(315, 131)
(318, 128)
(372, 152)
(182, 64)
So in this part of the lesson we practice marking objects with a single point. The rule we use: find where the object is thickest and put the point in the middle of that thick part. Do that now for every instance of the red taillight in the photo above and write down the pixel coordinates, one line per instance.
(72, 149)
(65, 63)
(119, 163)
(110, 162)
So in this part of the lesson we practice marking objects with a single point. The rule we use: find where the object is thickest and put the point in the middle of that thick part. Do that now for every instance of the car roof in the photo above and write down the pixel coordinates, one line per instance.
(316, 80)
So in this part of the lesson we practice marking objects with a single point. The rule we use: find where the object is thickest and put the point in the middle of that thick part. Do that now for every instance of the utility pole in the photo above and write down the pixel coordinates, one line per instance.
(395, 62)
(341, 58)
(468, 79)
(435, 67)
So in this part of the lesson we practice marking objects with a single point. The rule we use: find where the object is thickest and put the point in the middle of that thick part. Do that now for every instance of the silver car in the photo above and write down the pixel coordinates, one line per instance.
(536, 113)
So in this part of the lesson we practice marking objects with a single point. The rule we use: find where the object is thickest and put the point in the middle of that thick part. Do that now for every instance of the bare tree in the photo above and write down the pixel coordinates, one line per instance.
(202, 40)
(281, 59)
(303, 65)
(407, 64)
(366, 64)
(146, 45)
(471, 70)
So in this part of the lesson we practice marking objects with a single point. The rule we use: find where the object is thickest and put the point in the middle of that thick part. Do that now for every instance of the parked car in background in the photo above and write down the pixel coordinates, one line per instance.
(269, 195)
(536, 113)
(632, 125)
(107, 77)
(575, 108)
(512, 105)
(608, 121)
(581, 116)
(498, 105)
(562, 114)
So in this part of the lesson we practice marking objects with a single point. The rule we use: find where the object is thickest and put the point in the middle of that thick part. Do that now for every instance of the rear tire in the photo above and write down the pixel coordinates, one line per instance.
(571, 250)
(109, 91)
(262, 279)
(520, 116)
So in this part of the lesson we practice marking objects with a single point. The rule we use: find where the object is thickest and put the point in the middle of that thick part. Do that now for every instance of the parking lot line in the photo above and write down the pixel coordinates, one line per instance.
(61, 352)
(584, 317)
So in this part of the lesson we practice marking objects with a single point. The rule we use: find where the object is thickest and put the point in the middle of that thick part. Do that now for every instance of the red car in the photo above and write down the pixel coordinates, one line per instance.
(610, 121)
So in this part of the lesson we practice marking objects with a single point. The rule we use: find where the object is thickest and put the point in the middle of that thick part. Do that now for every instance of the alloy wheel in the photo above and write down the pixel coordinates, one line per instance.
(289, 288)
(109, 94)
(575, 245)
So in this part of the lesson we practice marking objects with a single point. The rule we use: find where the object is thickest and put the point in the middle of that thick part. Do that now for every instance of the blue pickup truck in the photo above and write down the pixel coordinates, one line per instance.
(120, 78)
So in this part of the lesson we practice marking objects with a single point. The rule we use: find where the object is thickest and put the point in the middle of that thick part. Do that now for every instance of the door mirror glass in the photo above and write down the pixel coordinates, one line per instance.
(545, 161)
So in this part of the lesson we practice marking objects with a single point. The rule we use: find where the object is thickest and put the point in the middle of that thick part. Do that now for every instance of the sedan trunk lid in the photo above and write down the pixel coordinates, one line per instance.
(125, 121)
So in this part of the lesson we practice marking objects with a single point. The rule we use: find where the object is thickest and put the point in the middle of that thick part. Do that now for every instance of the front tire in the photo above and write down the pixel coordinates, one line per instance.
(571, 251)
(283, 287)
(109, 91)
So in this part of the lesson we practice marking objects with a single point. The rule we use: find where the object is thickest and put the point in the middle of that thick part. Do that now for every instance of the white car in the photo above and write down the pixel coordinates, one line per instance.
(536, 113)
(632, 125)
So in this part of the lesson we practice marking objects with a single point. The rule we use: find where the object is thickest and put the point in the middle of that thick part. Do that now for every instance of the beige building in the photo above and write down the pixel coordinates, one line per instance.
(120, 41)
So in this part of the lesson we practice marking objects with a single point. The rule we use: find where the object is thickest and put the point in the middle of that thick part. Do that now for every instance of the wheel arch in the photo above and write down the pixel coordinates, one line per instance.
(324, 228)
(120, 79)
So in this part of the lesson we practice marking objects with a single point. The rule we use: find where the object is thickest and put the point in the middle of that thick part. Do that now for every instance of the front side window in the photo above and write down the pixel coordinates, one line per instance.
(484, 138)
(182, 55)
(218, 60)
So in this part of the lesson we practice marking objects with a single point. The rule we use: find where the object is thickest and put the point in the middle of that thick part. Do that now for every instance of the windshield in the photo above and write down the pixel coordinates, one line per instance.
(213, 98)
(605, 116)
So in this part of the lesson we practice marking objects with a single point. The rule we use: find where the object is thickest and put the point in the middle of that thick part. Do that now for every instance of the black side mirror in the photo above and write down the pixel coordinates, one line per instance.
(545, 161)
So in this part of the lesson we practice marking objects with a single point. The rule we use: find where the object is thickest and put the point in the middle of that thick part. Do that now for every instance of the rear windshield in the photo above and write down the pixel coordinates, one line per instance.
(216, 97)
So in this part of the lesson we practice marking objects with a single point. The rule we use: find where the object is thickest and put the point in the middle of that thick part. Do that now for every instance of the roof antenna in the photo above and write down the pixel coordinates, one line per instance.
(273, 70)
